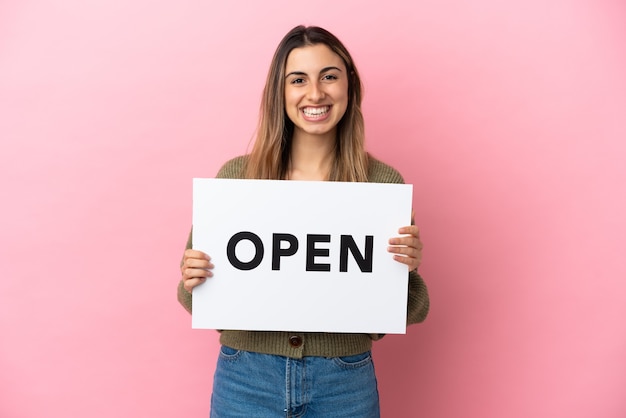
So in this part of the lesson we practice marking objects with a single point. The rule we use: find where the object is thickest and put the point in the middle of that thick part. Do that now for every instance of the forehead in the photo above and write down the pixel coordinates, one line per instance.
(312, 58)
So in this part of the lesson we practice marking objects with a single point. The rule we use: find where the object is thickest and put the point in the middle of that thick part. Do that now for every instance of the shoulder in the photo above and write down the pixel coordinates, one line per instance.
(379, 172)
(233, 168)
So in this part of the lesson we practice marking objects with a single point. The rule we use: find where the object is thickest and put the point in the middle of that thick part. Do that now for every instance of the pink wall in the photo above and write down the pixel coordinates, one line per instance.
(509, 118)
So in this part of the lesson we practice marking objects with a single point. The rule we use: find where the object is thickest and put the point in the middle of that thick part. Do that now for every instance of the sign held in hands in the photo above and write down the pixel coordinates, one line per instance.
(300, 255)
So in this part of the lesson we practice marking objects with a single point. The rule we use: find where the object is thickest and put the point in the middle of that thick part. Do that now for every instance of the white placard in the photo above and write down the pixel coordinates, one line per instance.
(263, 283)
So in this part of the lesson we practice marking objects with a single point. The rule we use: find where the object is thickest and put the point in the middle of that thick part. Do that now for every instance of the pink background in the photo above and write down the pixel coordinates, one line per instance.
(508, 117)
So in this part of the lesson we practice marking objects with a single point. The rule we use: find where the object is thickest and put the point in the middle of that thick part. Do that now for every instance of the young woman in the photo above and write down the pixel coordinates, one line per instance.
(310, 128)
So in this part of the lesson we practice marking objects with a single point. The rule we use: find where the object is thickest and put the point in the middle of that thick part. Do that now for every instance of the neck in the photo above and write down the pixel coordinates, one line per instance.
(311, 157)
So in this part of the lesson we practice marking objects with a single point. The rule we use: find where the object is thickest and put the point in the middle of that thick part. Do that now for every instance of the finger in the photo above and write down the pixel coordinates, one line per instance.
(191, 283)
(411, 256)
(409, 261)
(410, 230)
(409, 241)
(408, 251)
(194, 267)
(190, 273)
(195, 258)
(190, 253)
(197, 263)
(413, 263)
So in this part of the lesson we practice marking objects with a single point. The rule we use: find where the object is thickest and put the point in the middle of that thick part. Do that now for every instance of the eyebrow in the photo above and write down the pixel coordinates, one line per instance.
(322, 71)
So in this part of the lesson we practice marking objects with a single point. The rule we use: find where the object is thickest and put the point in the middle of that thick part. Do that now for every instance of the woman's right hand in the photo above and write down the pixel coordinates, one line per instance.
(196, 268)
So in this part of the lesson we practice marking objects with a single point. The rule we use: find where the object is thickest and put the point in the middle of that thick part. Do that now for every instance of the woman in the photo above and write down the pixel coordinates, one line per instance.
(310, 128)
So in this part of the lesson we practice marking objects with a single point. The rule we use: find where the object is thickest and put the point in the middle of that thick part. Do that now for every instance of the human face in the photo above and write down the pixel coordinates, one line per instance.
(316, 91)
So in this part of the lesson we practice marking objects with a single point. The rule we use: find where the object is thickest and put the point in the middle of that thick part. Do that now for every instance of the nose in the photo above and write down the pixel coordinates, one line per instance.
(316, 91)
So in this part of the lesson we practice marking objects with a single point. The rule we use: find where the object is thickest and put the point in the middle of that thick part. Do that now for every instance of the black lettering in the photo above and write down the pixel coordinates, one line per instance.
(364, 262)
(312, 252)
(232, 256)
(278, 252)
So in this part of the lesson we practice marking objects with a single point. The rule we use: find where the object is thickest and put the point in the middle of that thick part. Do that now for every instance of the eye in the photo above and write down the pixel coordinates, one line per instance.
(296, 81)
(329, 77)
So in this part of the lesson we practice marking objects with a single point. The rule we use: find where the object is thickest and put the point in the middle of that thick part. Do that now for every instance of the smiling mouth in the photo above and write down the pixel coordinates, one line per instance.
(315, 112)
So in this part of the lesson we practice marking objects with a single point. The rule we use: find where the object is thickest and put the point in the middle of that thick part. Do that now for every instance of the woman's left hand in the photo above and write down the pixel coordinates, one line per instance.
(407, 249)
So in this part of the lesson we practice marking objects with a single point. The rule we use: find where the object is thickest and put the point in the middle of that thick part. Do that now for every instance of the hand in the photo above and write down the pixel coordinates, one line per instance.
(408, 248)
(196, 269)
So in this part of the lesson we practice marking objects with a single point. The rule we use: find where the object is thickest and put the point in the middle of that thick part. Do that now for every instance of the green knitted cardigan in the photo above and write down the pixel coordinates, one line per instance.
(316, 343)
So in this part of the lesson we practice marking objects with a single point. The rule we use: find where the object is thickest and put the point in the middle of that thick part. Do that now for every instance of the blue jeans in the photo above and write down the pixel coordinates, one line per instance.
(254, 385)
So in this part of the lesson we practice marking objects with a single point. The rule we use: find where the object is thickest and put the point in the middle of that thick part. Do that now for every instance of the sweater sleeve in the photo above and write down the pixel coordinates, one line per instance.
(184, 297)
(418, 301)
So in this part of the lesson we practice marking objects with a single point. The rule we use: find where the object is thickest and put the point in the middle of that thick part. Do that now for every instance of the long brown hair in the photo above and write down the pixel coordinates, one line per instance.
(269, 158)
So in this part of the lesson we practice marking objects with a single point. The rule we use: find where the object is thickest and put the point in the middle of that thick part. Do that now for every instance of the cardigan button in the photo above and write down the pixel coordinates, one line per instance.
(295, 341)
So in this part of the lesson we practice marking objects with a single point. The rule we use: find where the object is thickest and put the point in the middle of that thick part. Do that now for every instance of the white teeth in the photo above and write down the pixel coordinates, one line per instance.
(315, 111)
